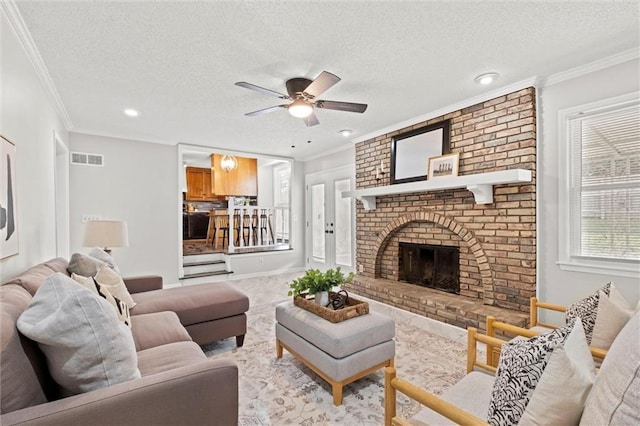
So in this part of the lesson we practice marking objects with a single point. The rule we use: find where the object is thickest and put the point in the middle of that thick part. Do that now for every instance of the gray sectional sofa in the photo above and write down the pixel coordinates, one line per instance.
(178, 384)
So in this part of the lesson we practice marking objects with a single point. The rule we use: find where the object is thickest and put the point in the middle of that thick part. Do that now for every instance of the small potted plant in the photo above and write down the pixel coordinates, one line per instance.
(319, 284)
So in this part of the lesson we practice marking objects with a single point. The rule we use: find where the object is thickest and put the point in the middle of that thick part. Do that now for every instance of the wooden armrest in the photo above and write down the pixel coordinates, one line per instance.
(473, 337)
(534, 304)
(493, 325)
(435, 403)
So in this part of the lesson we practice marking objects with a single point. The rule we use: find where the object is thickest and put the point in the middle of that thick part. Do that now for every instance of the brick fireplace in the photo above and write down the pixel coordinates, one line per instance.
(495, 243)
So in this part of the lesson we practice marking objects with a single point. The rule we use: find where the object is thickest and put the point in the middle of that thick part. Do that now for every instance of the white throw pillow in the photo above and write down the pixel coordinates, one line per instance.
(561, 393)
(613, 313)
(109, 279)
(86, 347)
(615, 397)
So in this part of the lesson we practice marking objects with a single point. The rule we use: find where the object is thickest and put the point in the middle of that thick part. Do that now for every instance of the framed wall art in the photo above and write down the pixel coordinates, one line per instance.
(8, 203)
(443, 166)
(411, 150)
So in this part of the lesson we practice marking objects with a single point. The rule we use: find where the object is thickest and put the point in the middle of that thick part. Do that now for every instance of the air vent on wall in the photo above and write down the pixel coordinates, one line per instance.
(87, 159)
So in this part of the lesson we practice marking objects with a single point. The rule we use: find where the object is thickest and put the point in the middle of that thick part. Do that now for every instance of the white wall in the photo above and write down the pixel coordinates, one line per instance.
(331, 161)
(138, 184)
(265, 183)
(28, 118)
(556, 285)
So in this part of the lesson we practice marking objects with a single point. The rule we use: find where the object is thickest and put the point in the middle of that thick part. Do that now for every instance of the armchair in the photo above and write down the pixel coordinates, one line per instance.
(614, 397)
(478, 374)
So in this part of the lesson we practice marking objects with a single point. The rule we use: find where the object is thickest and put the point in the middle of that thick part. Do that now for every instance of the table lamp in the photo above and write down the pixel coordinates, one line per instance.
(106, 234)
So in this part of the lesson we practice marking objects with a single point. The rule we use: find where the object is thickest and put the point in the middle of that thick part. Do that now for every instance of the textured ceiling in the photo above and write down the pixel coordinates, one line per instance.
(177, 62)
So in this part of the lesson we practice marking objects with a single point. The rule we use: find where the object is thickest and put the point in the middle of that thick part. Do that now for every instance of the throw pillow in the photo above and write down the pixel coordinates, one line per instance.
(615, 397)
(86, 347)
(86, 282)
(570, 368)
(108, 278)
(122, 309)
(521, 365)
(84, 265)
(103, 256)
(613, 314)
(587, 310)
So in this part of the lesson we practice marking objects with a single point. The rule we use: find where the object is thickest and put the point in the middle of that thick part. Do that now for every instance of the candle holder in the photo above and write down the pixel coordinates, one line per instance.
(380, 172)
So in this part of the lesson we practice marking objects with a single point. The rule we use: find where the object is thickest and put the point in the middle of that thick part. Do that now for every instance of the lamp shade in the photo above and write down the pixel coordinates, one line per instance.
(106, 233)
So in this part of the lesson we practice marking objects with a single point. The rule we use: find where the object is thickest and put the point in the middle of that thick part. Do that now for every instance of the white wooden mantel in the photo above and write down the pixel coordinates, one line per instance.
(480, 184)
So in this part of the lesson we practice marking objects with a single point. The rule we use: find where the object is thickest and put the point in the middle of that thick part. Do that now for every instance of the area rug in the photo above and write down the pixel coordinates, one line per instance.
(285, 392)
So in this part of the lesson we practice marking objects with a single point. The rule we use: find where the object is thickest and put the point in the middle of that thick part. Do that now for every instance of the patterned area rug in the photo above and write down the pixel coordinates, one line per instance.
(285, 392)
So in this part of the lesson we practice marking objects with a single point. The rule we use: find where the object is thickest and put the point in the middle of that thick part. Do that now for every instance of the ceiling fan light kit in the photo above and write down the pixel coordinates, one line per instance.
(300, 108)
(303, 93)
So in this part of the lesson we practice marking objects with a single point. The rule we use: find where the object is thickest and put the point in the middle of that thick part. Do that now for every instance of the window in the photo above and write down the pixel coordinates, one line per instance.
(601, 197)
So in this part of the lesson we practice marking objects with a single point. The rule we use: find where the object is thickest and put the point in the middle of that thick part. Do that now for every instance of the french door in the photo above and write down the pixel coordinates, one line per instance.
(329, 223)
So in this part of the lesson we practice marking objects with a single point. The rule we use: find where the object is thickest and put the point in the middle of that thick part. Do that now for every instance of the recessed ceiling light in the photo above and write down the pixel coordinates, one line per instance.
(486, 78)
(345, 132)
(131, 112)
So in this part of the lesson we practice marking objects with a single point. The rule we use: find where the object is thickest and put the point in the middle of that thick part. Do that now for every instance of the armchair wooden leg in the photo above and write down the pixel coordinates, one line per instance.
(389, 395)
(278, 349)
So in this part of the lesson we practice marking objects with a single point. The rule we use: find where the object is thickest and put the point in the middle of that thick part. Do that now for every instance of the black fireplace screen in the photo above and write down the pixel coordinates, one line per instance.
(430, 266)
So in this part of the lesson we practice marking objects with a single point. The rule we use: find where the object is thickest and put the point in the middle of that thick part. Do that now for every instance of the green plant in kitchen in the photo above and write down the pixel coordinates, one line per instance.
(314, 281)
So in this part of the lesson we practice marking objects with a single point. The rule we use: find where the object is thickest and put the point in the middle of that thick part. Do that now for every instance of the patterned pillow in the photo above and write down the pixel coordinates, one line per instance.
(521, 365)
(122, 309)
(587, 310)
(108, 278)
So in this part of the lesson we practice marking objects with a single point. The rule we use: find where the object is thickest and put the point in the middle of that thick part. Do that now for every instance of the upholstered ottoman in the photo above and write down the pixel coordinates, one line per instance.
(340, 353)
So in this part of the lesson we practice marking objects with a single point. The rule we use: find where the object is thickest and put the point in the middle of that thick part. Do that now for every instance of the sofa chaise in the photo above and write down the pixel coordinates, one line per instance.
(178, 384)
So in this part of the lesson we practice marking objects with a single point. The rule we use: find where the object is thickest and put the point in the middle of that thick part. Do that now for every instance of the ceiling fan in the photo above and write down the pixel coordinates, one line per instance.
(303, 93)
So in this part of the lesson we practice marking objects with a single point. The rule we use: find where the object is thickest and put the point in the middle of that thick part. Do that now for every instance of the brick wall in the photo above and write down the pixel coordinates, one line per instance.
(497, 241)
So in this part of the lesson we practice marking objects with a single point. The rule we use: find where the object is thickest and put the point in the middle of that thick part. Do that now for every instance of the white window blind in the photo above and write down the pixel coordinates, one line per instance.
(604, 181)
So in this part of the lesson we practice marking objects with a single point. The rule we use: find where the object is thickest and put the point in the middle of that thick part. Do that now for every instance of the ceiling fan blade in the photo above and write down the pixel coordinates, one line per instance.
(311, 120)
(341, 106)
(261, 90)
(265, 110)
(322, 83)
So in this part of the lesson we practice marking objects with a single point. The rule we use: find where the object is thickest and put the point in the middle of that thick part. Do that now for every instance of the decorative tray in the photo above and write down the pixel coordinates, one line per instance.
(353, 308)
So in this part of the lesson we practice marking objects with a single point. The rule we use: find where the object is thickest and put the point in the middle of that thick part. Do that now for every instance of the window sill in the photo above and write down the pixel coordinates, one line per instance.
(611, 268)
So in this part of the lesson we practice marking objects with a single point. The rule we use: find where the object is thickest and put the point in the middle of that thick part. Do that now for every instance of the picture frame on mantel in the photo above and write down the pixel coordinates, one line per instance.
(8, 203)
(410, 151)
(443, 166)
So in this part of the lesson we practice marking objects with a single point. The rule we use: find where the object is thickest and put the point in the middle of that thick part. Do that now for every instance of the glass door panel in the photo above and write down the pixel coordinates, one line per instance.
(343, 231)
(318, 242)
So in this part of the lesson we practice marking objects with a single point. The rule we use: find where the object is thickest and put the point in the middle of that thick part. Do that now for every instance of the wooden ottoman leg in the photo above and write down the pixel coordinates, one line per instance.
(278, 349)
(337, 393)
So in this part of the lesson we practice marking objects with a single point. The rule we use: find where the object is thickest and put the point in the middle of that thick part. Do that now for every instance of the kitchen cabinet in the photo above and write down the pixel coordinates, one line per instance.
(199, 184)
(243, 181)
